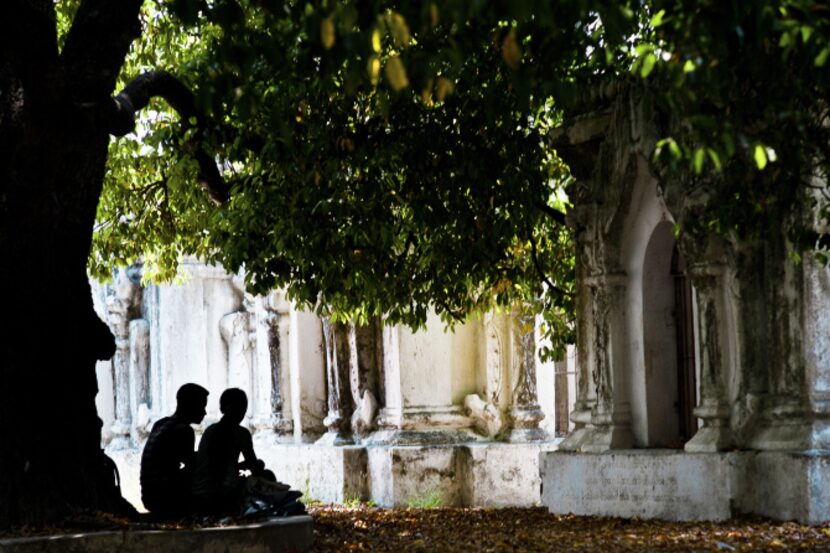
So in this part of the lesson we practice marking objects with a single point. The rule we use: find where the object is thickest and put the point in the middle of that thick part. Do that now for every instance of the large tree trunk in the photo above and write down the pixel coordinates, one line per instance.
(53, 147)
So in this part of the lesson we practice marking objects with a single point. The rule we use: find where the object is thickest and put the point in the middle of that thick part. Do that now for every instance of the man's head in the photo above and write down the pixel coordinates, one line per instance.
(233, 403)
(191, 400)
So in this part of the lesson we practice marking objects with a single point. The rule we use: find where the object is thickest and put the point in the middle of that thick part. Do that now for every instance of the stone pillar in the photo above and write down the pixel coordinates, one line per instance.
(273, 401)
(816, 344)
(139, 378)
(121, 306)
(486, 413)
(778, 285)
(366, 361)
(235, 329)
(713, 409)
(525, 413)
(307, 376)
(611, 416)
(390, 417)
(586, 265)
(338, 362)
(118, 316)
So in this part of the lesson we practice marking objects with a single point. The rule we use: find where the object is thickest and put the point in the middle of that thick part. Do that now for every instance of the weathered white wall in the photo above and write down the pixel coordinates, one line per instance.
(439, 366)
(207, 330)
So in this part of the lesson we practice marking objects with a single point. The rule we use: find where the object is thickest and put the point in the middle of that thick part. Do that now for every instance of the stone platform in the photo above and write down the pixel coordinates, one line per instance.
(491, 474)
(675, 485)
(472, 474)
(272, 536)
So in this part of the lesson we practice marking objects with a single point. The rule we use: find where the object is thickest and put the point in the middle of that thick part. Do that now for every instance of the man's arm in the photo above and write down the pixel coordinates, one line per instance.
(251, 462)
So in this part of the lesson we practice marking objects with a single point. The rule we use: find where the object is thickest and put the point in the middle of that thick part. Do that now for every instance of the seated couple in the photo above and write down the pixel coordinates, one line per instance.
(178, 482)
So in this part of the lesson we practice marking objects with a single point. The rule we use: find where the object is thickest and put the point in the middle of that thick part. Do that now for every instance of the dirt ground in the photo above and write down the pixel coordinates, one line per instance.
(342, 529)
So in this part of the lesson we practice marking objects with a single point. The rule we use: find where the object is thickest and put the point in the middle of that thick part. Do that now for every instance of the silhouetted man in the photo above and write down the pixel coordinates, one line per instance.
(168, 458)
(217, 484)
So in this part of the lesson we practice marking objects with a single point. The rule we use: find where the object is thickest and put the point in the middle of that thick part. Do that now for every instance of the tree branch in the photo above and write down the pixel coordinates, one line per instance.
(541, 272)
(135, 97)
(554, 214)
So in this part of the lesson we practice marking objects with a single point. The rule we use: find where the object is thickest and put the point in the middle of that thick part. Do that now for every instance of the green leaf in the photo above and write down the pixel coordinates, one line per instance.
(713, 155)
(699, 158)
(674, 148)
(657, 20)
(821, 58)
(648, 65)
(760, 157)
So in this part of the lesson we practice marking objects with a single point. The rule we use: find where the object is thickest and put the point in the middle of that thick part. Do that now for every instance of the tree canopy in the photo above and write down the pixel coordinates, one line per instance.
(382, 157)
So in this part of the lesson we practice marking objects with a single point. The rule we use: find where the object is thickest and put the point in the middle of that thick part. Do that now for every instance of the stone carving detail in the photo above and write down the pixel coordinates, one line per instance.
(139, 378)
(277, 325)
(340, 405)
(525, 414)
(235, 329)
(390, 416)
(713, 409)
(601, 370)
(124, 305)
(586, 265)
(365, 366)
(486, 416)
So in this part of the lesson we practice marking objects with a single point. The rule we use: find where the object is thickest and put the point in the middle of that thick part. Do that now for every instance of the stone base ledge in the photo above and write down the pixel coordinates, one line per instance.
(676, 485)
(271, 536)
(480, 475)
(485, 474)
(468, 474)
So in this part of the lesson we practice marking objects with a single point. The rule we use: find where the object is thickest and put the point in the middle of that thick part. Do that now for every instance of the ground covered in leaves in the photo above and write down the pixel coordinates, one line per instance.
(469, 530)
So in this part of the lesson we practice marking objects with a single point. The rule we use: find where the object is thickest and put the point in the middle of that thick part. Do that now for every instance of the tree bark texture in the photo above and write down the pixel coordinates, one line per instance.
(54, 134)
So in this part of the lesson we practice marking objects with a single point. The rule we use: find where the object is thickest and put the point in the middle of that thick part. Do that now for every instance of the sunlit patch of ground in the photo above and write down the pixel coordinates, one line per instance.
(482, 530)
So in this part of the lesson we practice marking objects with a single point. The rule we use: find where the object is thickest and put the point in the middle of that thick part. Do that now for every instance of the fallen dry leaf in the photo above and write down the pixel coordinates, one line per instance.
(470, 530)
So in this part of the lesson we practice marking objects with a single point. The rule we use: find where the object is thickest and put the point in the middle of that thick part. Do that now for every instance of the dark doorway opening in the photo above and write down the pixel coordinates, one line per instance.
(686, 378)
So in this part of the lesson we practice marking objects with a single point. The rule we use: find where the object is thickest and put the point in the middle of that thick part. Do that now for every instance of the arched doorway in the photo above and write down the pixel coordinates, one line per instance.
(668, 342)
(686, 368)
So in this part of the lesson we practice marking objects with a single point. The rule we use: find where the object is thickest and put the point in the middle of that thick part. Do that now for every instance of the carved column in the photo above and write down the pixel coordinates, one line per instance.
(118, 316)
(486, 412)
(235, 329)
(778, 363)
(121, 305)
(587, 264)
(366, 359)
(390, 417)
(139, 346)
(525, 413)
(272, 386)
(713, 409)
(611, 416)
(274, 404)
(340, 406)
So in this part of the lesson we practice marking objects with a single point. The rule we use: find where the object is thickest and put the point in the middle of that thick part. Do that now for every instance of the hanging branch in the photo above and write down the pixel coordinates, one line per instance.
(541, 272)
(135, 97)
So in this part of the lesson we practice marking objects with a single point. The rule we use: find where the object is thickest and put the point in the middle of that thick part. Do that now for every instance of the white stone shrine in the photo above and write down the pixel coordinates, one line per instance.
(341, 413)
(703, 363)
(701, 388)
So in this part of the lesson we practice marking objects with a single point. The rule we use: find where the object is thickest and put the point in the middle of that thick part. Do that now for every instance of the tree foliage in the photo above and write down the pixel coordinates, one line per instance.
(389, 157)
